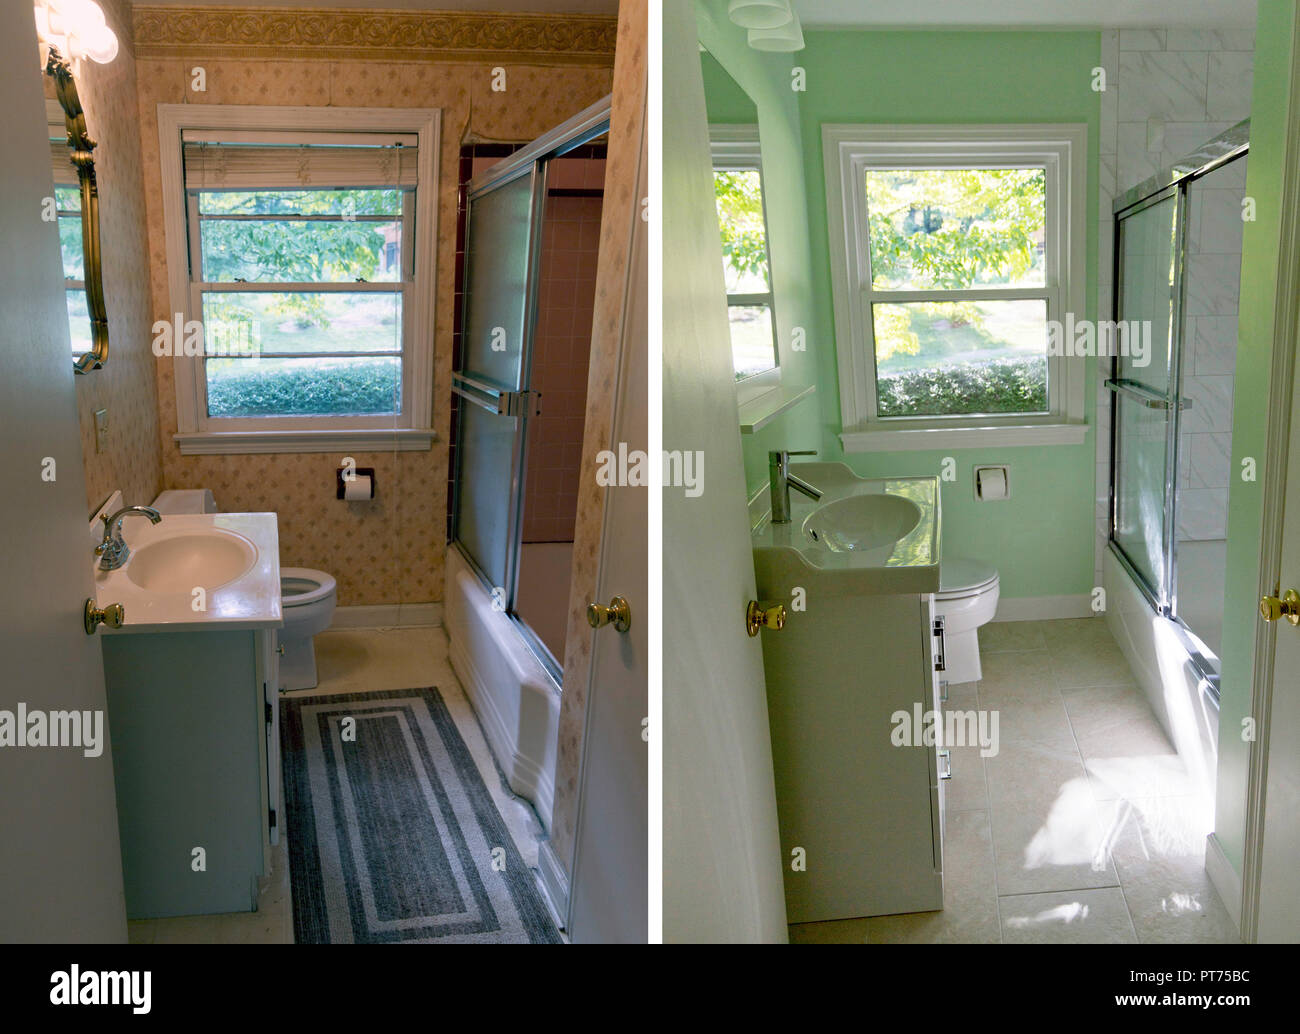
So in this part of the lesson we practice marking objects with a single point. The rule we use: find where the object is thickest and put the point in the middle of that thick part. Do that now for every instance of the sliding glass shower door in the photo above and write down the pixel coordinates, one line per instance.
(1177, 271)
(494, 380)
(1144, 391)
(500, 251)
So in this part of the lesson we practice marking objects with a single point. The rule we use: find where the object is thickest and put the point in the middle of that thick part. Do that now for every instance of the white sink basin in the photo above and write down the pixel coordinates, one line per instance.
(233, 557)
(864, 537)
(183, 563)
(862, 522)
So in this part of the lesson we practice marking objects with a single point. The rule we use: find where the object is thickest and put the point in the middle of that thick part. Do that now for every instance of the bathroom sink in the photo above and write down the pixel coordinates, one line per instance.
(182, 563)
(862, 522)
(233, 557)
(863, 537)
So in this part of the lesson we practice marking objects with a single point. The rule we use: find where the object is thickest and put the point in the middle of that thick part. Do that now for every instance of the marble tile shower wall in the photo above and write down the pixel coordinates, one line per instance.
(1170, 90)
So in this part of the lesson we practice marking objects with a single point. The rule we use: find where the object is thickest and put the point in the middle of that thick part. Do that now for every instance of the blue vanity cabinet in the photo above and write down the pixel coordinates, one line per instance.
(191, 716)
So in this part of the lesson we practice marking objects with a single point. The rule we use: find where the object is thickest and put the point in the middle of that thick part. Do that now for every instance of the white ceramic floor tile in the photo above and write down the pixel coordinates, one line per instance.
(1159, 854)
(1066, 917)
(1046, 845)
(1011, 637)
(969, 915)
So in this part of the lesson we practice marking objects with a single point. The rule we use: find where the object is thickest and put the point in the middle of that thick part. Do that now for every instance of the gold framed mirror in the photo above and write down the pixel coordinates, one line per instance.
(88, 316)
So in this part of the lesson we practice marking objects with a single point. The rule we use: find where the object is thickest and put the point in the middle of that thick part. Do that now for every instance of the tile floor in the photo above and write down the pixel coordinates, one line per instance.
(1083, 828)
(357, 660)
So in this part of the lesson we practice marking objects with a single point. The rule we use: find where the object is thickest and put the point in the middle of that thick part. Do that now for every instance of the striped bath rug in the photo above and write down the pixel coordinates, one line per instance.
(393, 837)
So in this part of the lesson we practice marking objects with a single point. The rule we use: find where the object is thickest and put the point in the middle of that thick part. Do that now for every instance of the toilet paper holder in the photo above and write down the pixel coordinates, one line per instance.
(358, 472)
(992, 483)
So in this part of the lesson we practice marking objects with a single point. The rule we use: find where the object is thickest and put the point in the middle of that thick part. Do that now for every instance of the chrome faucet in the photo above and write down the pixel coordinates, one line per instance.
(781, 480)
(113, 552)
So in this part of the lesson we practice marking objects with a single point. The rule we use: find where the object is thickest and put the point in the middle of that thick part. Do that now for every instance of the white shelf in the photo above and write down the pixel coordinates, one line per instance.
(758, 413)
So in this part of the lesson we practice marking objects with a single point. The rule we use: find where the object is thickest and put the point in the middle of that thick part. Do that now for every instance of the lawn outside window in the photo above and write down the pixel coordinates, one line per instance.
(954, 248)
(301, 241)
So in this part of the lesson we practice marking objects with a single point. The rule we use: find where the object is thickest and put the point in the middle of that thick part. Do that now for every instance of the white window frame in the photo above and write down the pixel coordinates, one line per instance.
(413, 429)
(848, 152)
(737, 146)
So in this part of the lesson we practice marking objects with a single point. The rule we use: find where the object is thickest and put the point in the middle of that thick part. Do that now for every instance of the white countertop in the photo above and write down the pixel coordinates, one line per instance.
(910, 565)
(249, 601)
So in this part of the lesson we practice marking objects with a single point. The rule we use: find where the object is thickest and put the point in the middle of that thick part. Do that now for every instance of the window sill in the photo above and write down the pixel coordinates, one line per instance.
(967, 437)
(212, 443)
(758, 412)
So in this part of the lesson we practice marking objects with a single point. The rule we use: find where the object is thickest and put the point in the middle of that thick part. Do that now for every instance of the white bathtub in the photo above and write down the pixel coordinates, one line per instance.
(1164, 669)
(517, 703)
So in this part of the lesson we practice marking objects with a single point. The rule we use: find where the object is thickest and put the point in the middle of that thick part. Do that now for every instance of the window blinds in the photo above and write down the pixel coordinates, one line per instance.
(298, 161)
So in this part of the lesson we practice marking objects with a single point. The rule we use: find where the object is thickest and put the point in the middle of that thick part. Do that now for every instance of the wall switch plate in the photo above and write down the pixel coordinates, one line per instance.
(101, 430)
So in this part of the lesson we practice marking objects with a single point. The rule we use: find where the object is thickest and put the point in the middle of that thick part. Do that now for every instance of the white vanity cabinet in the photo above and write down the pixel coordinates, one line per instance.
(194, 730)
(861, 818)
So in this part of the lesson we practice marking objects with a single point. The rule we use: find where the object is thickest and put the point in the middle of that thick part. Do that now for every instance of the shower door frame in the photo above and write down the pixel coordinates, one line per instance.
(533, 160)
(1175, 181)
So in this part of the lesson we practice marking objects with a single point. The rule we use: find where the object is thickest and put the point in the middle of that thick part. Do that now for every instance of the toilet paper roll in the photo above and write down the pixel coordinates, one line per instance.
(360, 487)
(993, 484)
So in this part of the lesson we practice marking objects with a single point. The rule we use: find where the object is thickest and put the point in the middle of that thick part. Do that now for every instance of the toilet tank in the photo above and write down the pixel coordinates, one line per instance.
(185, 500)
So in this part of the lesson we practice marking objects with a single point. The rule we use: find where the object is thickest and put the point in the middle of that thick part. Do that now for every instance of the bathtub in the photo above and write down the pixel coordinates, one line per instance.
(1156, 651)
(517, 702)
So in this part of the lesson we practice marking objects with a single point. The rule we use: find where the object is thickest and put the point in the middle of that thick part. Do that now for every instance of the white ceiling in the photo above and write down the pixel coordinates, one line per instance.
(1055, 14)
(534, 6)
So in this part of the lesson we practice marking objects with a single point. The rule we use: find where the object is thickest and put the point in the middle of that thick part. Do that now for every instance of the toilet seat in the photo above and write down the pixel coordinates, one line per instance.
(301, 586)
(959, 578)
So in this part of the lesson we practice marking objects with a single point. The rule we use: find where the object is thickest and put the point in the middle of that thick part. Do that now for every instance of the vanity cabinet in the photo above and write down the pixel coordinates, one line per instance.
(194, 731)
(861, 818)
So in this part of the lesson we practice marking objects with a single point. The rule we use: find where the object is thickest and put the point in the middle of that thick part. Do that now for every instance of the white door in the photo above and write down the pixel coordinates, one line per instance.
(608, 902)
(721, 860)
(1279, 904)
(60, 868)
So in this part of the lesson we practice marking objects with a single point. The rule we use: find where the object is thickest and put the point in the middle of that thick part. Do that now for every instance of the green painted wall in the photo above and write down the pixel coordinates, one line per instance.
(1270, 113)
(1041, 540)
(766, 80)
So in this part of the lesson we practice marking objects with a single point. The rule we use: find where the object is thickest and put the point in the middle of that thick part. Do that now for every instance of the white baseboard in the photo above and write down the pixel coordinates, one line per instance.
(1043, 608)
(389, 615)
(555, 884)
(1225, 878)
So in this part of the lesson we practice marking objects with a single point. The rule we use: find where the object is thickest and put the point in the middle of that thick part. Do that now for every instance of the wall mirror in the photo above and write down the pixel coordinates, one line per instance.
(742, 222)
(69, 34)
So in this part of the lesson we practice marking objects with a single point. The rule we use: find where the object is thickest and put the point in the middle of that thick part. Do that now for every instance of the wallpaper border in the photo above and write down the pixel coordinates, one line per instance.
(348, 34)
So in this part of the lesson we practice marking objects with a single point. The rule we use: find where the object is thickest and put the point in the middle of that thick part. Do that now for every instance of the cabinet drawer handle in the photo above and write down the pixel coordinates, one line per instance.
(940, 662)
(943, 691)
(946, 757)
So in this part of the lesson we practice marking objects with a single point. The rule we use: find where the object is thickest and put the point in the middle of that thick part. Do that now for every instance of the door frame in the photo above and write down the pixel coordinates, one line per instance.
(1286, 333)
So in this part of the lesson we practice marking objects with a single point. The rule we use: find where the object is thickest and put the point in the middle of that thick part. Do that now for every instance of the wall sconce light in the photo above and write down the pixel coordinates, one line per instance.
(76, 29)
(70, 30)
(759, 14)
(787, 37)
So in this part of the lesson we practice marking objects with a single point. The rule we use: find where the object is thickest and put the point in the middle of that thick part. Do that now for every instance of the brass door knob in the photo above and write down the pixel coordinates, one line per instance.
(1271, 608)
(618, 614)
(113, 615)
(764, 615)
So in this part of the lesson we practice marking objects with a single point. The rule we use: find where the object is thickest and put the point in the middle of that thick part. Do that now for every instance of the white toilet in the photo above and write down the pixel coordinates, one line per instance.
(307, 597)
(967, 598)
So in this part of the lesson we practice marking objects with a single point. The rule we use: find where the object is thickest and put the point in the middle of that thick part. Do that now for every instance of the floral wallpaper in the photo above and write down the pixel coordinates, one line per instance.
(389, 550)
(125, 386)
(622, 207)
